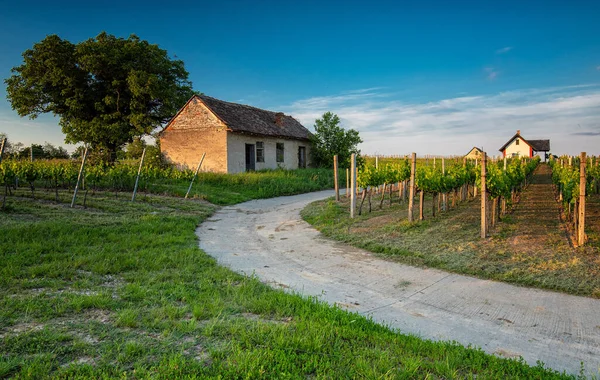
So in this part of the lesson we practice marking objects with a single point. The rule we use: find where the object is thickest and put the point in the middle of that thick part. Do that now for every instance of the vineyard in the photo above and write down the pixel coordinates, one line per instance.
(459, 180)
(36, 178)
(566, 176)
(534, 241)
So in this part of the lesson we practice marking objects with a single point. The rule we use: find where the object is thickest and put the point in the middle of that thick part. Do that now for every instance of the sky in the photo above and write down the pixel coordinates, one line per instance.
(431, 77)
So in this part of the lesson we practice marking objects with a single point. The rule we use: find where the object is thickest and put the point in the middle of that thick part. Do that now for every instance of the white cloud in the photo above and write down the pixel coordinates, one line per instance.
(504, 50)
(491, 73)
(454, 125)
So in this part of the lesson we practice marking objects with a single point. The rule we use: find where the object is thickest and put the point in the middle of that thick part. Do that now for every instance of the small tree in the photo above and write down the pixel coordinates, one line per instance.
(330, 139)
(51, 151)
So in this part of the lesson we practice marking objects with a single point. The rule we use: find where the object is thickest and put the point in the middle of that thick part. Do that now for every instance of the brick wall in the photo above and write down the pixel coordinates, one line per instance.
(194, 131)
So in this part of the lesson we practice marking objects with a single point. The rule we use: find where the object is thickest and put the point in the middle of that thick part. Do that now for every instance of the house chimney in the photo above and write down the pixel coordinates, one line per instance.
(518, 131)
(279, 118)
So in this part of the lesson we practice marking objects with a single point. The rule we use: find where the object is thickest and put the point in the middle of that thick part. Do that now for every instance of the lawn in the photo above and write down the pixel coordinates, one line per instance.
(121, 289)
(227, 189)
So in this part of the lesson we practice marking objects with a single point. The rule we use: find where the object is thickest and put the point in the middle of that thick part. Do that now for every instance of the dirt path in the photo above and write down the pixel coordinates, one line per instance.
(267, 238)
(537, 215)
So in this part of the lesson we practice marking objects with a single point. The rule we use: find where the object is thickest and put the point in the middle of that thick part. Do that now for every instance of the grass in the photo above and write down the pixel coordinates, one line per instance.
(227, 189)
(451, 242)
(121, 289)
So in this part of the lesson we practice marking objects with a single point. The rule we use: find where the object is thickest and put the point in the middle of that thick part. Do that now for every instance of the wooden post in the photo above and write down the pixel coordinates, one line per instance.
(137, 179)
(2, 148)
(376, 162)
(483, 198)
(582, 183)
(31, 153)
(421, 204)
(347, 182)
(353, 185)
(444, 195)
(335, 178)
(195, 174)
(79, 177)
(411, 192)
(504, 163)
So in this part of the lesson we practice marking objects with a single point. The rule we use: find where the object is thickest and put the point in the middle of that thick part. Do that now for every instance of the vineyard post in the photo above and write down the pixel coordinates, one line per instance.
(421, 203)
(582, 184)
(195, 174)
(376, 162)
(444, 195)
(503, 205)
(483, 199)
(411, 194)
(2, 148)
(465, 187)
(347, 182)
(79, 176)
(137, 179)
(31, 152)
(335, 178)
(353, 185)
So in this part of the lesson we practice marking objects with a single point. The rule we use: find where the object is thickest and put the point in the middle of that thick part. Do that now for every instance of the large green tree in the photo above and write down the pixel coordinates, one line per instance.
(330, 139)
(106, 90)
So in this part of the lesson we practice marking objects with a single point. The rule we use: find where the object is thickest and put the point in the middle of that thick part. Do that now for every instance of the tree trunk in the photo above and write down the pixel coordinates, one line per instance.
(454, 198)
(494, 211)
(382, 196)
(433, 204)
(362, 200)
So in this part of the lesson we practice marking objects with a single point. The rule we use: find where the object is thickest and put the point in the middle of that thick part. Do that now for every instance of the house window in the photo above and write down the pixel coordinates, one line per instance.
(517, 142)
(279, 153)
(260, 151)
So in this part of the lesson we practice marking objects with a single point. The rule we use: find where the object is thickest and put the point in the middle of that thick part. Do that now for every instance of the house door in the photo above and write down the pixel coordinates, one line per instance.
(250, 160)
(301, 157)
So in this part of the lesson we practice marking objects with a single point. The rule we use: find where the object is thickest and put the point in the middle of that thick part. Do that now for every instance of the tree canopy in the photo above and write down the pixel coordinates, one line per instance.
(330, 139)
(106, 90)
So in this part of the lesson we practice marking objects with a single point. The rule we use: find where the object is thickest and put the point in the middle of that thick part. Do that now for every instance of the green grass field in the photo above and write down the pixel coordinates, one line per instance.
(121, 290)
(227, 189)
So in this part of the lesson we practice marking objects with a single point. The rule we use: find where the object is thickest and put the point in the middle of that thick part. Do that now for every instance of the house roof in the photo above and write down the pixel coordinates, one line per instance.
(474, 149)
(536, 145)
(540, 145)
(251, 120)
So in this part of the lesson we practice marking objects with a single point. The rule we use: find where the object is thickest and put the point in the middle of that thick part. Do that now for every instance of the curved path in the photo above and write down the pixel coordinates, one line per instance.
(268, 238)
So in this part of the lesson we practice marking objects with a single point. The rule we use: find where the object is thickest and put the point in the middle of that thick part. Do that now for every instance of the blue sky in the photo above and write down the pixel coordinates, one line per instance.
(435, 77)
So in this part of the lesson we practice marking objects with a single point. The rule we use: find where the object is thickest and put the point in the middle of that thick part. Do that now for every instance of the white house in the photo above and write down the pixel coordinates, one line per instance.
(517, 146)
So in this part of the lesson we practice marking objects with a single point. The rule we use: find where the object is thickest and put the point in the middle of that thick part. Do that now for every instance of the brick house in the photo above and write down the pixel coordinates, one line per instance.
(235, 137)
(517, 146)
